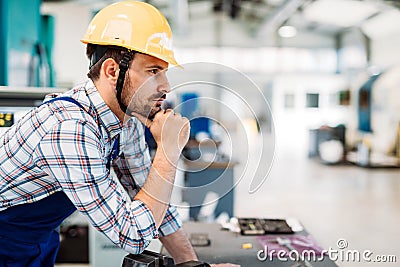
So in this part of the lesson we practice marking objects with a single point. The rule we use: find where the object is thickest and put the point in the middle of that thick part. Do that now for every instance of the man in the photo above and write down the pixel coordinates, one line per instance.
(57, 159)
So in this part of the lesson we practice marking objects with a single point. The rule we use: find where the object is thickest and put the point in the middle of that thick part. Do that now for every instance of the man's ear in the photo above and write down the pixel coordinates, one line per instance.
(110, 70)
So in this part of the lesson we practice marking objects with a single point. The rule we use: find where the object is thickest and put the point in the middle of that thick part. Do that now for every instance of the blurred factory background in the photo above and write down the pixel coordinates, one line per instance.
(321, 78)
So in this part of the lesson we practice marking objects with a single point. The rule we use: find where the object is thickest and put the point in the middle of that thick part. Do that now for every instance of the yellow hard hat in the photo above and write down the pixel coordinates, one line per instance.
(134, 25)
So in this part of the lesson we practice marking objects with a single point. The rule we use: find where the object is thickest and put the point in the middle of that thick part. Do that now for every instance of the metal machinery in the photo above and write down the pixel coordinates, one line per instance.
(153, 259)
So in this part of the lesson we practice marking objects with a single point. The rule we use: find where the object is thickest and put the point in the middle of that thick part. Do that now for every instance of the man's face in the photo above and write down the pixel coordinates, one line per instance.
(145, 85)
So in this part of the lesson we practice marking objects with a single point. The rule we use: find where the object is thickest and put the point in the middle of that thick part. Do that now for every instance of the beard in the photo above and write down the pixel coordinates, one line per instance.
(153, 112)
(139, 102)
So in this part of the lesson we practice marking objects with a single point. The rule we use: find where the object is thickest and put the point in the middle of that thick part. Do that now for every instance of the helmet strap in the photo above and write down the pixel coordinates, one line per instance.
(123, 67)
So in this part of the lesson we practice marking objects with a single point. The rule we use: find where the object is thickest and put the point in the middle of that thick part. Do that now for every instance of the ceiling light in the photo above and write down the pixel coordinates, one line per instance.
(287, 31)
(385, 24)
(342, 13)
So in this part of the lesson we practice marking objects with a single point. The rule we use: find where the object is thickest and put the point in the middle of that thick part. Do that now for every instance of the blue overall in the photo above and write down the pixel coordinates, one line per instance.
(28, 232)
(28, 235)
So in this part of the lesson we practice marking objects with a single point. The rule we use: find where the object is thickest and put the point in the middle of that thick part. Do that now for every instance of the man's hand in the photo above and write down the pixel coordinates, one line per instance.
(170, 131)
(224, 265)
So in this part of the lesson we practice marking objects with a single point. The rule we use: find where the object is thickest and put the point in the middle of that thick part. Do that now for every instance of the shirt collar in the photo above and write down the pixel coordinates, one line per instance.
(106, 117)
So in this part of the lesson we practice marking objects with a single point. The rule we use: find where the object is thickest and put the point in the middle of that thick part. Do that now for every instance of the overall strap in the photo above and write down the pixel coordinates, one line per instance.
(65, 98)
(115, 148)
(71, 100)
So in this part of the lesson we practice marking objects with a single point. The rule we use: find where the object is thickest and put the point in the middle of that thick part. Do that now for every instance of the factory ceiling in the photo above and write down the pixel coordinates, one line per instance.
(265, 22)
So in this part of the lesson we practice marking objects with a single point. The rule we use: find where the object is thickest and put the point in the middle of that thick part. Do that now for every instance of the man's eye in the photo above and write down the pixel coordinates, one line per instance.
(154, 71)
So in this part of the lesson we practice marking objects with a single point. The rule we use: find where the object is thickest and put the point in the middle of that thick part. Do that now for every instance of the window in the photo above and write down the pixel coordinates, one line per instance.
(312, 100)
(289, 101)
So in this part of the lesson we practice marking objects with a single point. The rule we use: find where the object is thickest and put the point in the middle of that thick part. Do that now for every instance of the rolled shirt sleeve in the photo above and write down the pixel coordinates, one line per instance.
(171, 222)
(73, 153)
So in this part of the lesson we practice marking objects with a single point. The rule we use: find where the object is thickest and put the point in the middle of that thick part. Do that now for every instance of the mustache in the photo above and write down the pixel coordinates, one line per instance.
(160, 96)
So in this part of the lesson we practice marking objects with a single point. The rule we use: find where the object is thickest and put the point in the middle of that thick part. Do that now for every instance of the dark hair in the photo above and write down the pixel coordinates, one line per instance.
(113, 52)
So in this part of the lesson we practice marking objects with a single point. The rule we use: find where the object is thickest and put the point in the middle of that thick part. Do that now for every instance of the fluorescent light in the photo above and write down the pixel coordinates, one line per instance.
(287, 31)
(382, 25)
(342, 13)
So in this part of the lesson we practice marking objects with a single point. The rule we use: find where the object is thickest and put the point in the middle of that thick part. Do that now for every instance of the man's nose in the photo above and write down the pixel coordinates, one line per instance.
(164, 86)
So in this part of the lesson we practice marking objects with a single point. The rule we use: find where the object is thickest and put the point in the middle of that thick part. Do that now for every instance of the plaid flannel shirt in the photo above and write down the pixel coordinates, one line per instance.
(58, 146)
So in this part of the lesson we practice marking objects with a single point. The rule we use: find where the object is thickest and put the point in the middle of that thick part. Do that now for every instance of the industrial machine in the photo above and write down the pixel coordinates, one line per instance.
(153, 259)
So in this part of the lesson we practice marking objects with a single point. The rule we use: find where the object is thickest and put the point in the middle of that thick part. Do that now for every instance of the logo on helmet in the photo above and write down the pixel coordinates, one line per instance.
(159, 41)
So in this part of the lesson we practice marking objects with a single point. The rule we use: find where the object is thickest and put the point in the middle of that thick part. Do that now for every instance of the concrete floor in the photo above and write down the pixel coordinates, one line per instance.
(347, 202)
(332, 202)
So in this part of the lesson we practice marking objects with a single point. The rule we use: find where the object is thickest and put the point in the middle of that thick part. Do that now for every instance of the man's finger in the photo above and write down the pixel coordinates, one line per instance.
(169, 111)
